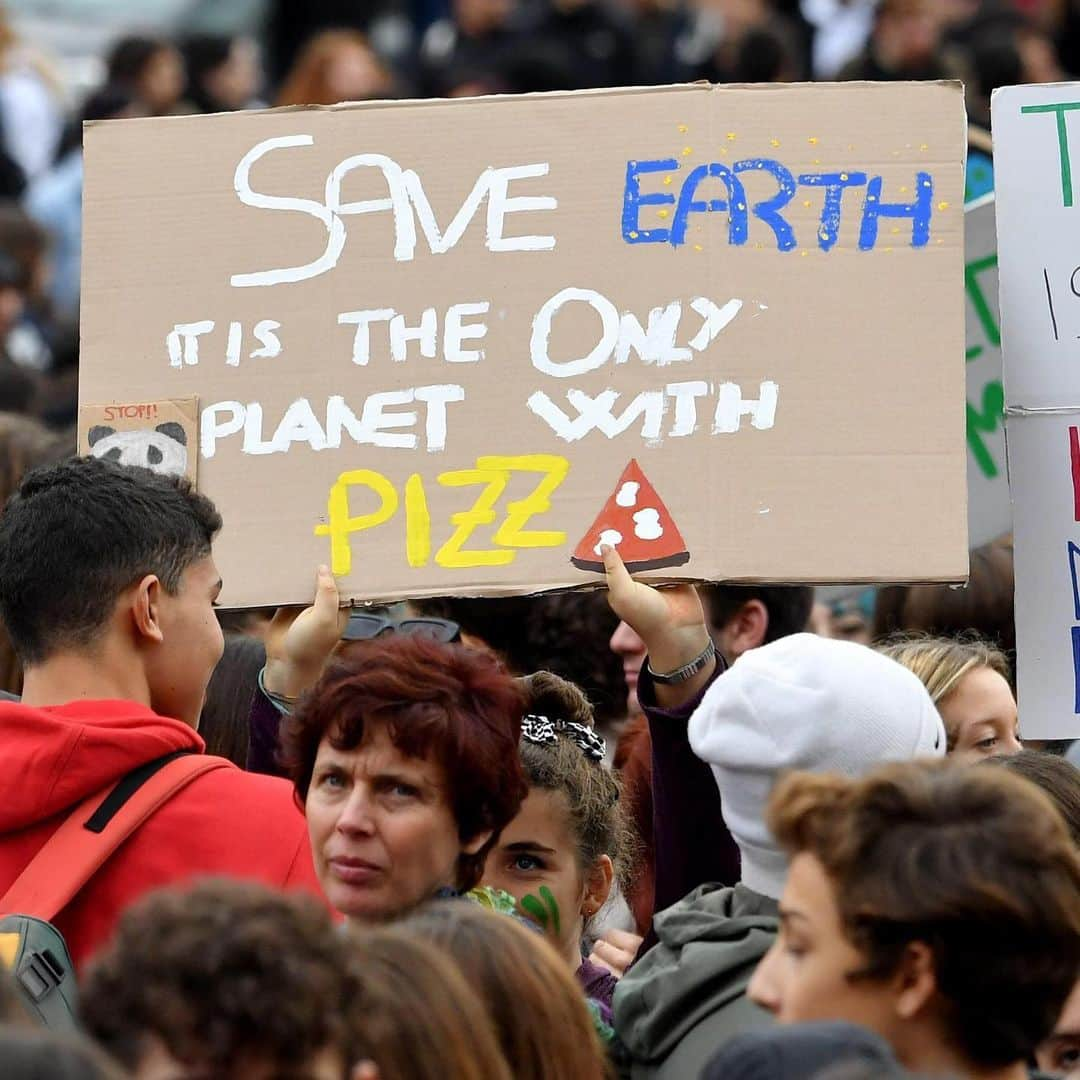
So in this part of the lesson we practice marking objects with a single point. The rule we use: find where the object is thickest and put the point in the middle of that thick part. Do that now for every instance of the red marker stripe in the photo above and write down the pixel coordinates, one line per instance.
(1074, 453)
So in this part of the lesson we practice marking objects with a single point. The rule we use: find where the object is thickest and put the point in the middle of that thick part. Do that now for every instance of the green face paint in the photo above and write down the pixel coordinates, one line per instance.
(543, 909)
(549, 899)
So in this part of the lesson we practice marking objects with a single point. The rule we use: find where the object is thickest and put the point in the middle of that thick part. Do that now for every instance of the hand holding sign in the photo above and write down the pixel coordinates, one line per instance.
(670, 621)
(299, 641)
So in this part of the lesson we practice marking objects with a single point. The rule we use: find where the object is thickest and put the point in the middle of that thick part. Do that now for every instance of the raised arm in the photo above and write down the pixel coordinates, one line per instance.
(692, 844)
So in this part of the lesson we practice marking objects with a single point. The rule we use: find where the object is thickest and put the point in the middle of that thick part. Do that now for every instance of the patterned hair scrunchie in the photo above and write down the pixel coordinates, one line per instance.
(543, 731)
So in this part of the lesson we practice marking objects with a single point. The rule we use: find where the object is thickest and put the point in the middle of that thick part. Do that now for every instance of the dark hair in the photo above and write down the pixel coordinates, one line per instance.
(983, 605)
(224, 724)
(566, 633)
(1057, 778)
(106, 102)
(768, 54)
(23, 240)
(416, 1016)
(32, 1054)
(975, 863)
(533, 999)
(128, 58)
(592, 792)
(78, 534)
(788, 606)
(446, 703)
(25, 444)
(221, 973)
(203, 55)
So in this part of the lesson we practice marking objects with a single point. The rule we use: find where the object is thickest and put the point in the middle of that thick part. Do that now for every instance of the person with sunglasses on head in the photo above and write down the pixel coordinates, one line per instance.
(299, 642)
(402, 751)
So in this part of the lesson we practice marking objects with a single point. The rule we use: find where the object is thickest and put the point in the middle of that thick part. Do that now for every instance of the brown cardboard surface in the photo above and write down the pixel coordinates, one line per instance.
(849, 467)
(158, 435)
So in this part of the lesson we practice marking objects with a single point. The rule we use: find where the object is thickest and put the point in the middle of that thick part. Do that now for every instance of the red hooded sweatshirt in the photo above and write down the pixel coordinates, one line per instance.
(226, 822)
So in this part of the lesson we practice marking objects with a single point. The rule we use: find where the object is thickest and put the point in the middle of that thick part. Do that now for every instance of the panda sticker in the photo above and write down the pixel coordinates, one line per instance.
(162, 449)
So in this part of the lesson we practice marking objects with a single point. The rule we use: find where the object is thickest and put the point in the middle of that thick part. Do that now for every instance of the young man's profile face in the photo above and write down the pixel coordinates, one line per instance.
(805, 975)
(192, 645)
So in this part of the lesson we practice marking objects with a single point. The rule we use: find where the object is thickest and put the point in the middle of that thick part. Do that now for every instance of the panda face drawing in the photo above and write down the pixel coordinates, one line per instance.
(162, 449)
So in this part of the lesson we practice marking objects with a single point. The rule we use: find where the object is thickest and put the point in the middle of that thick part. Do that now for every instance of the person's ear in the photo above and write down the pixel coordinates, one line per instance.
(146, 608)
(916, 980)
(598, 883)
(745, 630)
(476, 843)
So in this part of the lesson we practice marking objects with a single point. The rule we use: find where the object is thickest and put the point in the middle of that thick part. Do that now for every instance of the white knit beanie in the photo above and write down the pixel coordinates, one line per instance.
(811, 703)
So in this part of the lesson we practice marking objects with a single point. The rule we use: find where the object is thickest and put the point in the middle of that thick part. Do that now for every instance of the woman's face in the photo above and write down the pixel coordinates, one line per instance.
(535, 852)
(383, 834)
(354, 74)
(980, 716)
(804, 976)
(162, 80)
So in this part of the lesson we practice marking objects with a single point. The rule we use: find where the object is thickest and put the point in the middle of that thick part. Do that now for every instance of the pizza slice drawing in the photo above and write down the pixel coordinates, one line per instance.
(637, 524)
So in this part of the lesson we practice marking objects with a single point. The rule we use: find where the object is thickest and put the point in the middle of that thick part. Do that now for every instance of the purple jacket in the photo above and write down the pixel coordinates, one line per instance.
(692, 845)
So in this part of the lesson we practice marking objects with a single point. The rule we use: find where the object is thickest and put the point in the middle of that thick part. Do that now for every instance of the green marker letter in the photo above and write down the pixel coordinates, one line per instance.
(1061, 108)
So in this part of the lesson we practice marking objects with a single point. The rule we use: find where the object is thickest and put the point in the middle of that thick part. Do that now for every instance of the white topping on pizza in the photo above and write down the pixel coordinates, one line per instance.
(627, 494)
(647, 525)
(609, 536)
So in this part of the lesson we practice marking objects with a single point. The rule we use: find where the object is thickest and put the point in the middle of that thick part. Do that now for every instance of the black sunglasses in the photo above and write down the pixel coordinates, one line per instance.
(363, 625)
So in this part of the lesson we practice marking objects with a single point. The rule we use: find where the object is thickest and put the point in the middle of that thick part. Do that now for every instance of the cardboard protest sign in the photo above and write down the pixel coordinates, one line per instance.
(989, 509)
(158, 435)
(1037, 226)
(429, 338)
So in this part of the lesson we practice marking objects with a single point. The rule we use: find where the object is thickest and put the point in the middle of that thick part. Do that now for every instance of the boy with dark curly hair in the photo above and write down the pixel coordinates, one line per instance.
(226, 979)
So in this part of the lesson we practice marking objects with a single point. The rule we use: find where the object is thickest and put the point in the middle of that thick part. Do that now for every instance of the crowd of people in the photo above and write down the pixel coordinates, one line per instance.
(421, 860)
(721, 831)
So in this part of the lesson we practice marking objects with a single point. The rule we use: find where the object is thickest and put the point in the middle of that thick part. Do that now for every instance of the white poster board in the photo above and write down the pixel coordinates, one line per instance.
(1037, 145)
(989, 509)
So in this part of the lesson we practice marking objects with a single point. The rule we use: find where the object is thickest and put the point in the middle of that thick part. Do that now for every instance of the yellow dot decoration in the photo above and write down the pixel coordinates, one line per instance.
(731, 136)
(687, 151)
(943, 206)
(633, 236)
(667, 181)
(924, 147)
(662, 213)
(813, 140)
(698, 247)
(806, 203)
(774, 142)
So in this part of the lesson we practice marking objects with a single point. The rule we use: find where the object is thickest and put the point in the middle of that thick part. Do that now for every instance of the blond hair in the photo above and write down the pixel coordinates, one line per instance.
(940, 663)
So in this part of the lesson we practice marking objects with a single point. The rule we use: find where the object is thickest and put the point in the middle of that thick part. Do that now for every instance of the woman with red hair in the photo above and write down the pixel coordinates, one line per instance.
(404, 756)
(334, 66)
